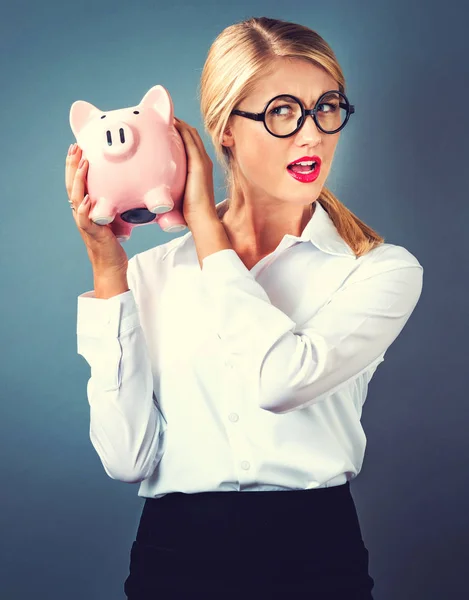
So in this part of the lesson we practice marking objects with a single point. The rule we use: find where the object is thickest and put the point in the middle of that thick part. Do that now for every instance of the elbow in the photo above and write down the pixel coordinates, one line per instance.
(282, 390)
(284, 404)
(277, 394)
(118, 466)
(277, 407)
(276, 403)
(124, 477)
(141, 466)
(126, 466)
(287, 398)
(131, 474)
(129, 478)
(126, 456)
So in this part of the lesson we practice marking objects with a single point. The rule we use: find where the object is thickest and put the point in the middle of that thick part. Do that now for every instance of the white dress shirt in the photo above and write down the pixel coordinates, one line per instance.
(230, 379)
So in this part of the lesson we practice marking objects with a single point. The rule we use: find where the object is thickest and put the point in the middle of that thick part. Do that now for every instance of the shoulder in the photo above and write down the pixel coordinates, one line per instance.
(385, 265)
(387, 256)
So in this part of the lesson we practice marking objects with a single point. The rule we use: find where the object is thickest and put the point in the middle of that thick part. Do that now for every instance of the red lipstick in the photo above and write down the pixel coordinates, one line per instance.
(306, 177)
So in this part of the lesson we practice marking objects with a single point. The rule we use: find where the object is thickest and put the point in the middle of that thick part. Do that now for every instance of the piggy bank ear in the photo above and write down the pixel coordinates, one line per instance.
(159, 100)
(80, 113)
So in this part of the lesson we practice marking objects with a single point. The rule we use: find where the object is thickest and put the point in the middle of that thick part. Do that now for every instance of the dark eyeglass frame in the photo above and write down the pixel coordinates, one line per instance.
(304, 113)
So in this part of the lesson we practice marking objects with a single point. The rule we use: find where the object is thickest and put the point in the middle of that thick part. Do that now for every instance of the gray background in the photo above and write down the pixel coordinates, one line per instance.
(401, 165)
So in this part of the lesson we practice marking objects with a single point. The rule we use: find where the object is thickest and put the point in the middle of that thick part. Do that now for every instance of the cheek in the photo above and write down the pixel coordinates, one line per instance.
(262, 161)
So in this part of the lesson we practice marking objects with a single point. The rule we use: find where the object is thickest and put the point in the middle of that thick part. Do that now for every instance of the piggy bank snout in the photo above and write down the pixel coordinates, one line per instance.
(119, 141)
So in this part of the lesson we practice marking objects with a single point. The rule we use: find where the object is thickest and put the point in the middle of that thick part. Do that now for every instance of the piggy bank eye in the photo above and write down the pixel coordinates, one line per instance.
(103, 117)
(136, 112)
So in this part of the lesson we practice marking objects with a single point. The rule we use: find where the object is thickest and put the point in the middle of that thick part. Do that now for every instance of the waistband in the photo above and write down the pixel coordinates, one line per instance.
(181, 500)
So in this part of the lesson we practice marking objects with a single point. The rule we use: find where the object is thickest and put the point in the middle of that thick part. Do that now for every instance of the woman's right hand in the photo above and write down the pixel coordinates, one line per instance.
(104, 249)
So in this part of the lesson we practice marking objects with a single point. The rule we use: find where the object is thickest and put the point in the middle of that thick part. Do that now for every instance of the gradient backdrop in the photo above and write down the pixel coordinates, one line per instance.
(401, 165)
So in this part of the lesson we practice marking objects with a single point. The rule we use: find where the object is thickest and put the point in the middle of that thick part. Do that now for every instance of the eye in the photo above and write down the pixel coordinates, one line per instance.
(332, 107)
(277, 109)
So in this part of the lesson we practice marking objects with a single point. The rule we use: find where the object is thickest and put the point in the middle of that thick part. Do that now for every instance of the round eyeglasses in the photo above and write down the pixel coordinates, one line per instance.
(285, 114)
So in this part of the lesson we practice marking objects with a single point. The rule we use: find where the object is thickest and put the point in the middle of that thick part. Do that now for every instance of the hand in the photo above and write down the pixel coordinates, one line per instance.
(104, 250)
(199, 197)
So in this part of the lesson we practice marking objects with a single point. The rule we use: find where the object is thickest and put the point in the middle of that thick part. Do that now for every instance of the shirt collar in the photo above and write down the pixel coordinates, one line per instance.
(319, 231)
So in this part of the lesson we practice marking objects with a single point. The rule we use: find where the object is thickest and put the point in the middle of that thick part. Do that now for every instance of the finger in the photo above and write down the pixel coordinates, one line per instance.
(181, 125)
(197, 140)
(78, 186)
(82, 214)
(68, 176)
(83, 221)
(83, 204)
(191, 148)
(71, 164)
(188, 136)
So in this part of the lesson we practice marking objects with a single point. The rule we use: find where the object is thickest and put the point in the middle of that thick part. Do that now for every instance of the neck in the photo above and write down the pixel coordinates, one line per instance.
(257, 228)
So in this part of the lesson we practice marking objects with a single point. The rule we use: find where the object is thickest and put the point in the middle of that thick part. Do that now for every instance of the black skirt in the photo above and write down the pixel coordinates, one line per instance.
(267, 545)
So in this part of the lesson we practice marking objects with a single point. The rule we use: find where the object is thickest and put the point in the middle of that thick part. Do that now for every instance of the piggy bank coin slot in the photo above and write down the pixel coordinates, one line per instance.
(138, 215)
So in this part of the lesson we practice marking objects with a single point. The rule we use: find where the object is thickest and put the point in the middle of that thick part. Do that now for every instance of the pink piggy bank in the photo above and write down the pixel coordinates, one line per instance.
(137, 163)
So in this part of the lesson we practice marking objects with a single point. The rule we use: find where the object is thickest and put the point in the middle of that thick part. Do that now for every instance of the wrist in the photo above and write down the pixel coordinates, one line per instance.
(203, 218)
(107, 266)
(109, 284)
(209, 237)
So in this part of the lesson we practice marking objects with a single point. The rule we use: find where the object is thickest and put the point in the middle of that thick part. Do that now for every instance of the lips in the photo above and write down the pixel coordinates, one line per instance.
(306, 177)
(307, 159)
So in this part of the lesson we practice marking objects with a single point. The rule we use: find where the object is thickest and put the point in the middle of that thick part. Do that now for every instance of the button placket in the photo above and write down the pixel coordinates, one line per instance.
(236, 436)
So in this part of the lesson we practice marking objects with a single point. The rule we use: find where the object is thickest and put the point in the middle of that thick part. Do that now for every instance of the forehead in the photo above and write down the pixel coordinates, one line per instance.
(300, 78)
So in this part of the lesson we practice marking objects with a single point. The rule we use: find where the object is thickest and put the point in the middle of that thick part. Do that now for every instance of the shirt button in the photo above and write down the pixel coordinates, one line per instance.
(245, 465)
(233, 417)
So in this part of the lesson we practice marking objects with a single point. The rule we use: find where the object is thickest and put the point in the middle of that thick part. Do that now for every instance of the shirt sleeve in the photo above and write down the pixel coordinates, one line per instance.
(290, 366)
(125, 423)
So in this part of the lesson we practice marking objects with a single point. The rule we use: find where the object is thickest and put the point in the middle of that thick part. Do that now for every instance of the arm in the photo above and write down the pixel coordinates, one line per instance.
(125, 424)
(289, 371)
(106, 287)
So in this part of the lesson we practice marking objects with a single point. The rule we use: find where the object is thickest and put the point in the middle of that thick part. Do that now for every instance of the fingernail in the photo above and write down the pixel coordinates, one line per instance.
(70, 149)
(81, 163)
(86, 198)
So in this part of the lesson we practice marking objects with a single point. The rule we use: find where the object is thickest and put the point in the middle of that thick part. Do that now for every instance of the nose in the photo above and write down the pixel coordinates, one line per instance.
(118, 140)
(309, 131)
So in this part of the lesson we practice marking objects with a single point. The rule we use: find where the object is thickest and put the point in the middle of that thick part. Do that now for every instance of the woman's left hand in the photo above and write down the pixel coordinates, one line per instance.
(199, 197)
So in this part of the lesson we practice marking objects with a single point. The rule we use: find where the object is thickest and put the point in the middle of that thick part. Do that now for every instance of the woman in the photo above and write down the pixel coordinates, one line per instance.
(237, 357)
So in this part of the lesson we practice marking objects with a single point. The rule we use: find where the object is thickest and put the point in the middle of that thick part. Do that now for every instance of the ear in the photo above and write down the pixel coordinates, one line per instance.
(159, 100)
(80, 113)
(227, 138)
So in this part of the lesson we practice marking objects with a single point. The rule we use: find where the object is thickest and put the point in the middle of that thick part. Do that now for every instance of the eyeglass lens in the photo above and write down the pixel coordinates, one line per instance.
(284, 113)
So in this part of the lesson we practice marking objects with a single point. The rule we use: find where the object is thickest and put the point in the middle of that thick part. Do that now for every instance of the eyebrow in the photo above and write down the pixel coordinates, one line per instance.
(314, 101)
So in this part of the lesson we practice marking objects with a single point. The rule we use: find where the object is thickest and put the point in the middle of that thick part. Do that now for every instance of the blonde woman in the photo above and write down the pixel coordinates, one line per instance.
(230, 365)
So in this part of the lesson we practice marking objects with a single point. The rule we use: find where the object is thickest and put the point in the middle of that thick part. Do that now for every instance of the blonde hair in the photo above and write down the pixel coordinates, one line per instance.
(238, 58)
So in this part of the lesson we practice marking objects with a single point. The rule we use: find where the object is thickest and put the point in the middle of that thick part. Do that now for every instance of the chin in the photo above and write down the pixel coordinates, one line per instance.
(305, 192)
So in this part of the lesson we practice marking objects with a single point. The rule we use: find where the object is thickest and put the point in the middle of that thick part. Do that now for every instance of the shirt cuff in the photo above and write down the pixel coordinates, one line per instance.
(244, 317)
(224, 265)
(108, 317)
